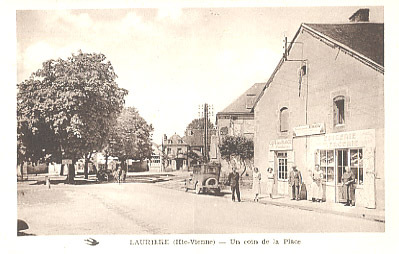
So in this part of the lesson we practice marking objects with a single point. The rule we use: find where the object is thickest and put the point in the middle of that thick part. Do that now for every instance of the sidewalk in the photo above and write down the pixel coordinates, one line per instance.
(324, 207)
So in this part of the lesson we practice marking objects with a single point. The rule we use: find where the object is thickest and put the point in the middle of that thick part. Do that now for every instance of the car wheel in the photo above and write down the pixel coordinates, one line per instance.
(197, 189)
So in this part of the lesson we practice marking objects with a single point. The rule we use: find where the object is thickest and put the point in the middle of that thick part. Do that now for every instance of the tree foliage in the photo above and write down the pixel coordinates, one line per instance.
(199, 123)
(238, 149)
(131, 137)
(67, 108)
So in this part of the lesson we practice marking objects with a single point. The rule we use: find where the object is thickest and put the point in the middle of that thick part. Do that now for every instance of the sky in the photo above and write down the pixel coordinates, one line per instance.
(172, 60)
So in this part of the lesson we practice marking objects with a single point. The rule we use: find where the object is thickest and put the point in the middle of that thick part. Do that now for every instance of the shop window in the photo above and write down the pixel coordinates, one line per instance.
(282, 166)
(339, 110)
(327, 164)
(356, 164)
(284, 119)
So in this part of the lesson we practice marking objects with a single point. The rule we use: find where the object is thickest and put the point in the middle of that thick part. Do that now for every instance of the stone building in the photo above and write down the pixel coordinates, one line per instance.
(175, 153)
(237, 119)
(324, 104)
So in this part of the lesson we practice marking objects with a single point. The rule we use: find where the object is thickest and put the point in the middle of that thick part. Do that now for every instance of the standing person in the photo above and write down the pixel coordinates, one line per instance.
(234, 182)
(119, 172)
(270, 182)
(295, 181)
(317, 188)
(348, 180)
(256, 183)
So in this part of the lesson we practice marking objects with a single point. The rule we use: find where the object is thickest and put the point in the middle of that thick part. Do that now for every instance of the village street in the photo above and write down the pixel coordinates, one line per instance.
(163, 208)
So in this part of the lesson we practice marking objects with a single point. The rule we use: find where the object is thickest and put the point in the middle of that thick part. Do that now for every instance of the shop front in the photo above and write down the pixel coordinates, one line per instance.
(355, 150)
(333, 152)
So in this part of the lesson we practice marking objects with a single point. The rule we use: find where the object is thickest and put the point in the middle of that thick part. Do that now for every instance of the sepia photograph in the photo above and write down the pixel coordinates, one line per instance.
(142, 121)
(191, 127)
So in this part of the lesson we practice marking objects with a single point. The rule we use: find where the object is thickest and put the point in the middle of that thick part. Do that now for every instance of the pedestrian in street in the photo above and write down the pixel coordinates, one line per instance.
(295, 181)
(270, 182)
(256, 176)
(234, 182)
(348, 179)
(119, 172)
(317, 188)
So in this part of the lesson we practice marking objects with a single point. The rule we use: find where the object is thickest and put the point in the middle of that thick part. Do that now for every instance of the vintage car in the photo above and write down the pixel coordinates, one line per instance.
(205, 178)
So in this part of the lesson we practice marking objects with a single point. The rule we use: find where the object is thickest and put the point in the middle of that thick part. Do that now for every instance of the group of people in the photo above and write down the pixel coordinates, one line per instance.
(298, 188)
(234, 178)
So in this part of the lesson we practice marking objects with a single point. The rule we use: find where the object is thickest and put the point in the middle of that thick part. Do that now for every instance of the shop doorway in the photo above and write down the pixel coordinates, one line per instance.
(341, 156)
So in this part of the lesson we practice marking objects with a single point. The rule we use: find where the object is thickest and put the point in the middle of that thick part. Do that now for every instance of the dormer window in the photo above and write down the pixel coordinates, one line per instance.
(250, 101)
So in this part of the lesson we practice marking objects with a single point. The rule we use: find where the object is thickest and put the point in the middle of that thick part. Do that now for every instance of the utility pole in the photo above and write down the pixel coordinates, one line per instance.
(206, 133)
(207, 111)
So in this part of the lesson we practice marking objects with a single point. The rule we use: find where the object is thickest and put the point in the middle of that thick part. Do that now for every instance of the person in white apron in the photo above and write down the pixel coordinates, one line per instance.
(317, 188)
(270, 182)
(256, 184)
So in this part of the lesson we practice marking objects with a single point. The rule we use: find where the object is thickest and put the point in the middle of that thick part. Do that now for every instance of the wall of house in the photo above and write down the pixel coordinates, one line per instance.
(236, 125)
(330, 73)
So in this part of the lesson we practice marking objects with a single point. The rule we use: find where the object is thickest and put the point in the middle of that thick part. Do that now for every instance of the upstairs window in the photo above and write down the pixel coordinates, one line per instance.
(339, 110)
(284, 119)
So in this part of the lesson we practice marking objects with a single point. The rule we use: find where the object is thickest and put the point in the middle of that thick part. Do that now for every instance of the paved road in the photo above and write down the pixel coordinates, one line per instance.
(140, 208)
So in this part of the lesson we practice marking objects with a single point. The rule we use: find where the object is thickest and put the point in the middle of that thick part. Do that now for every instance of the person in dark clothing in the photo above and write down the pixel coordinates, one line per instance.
(295, 182)
(348, 179)
(234, 182)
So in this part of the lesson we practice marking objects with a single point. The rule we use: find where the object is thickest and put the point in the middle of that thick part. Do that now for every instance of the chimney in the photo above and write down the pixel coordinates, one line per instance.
(361, 15)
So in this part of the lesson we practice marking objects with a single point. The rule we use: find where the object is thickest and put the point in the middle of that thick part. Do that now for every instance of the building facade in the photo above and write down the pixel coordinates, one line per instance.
(237, 119)
(324, 104)
(155, 163)
(175, 153)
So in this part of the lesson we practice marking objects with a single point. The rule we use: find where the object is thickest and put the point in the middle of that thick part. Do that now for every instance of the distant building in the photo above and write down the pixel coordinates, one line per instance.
(155, 164)
(237, 119)
(175, 153)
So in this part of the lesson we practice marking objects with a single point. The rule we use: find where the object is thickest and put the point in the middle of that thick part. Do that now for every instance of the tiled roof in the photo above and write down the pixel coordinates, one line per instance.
(240, 104)
(363, 37)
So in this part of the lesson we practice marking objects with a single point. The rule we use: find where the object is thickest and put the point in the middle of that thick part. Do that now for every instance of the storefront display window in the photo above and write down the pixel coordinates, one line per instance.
(342, 157)
(282, 166)
(327, 164)
(356, 164)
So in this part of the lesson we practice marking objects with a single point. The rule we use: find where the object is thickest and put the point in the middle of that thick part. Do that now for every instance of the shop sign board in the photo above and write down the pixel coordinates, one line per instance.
(66, 161)
(350, 139)
(280, 145)
(308, 130)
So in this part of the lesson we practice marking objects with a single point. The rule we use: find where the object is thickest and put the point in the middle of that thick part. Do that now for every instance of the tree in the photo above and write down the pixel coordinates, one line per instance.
(238, 150)
(195, 137)
(131, 137)
(67, 108)
(199, 123)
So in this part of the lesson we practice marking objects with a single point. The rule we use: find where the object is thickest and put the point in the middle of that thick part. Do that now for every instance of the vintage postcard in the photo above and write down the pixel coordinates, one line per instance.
(198, 126)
